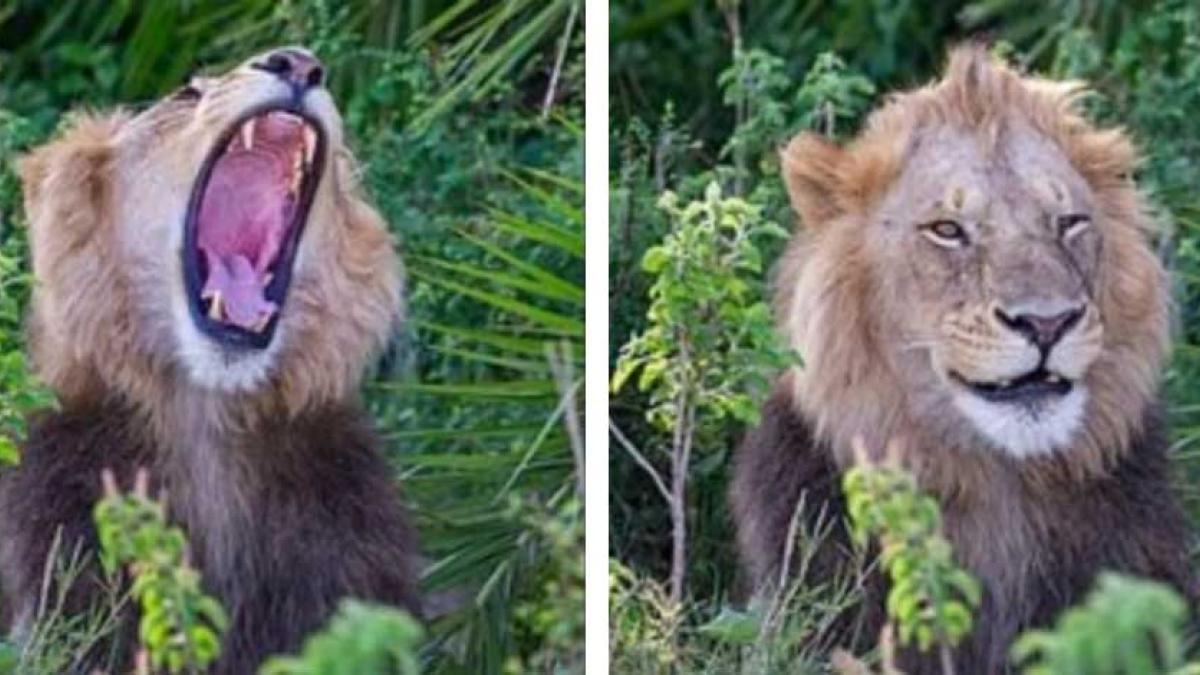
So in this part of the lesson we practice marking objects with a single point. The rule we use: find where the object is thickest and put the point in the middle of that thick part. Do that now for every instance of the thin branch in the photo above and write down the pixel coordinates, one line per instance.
(947, 658)
(559, 60)
(641, 461)
(789, 546)
(568, 388)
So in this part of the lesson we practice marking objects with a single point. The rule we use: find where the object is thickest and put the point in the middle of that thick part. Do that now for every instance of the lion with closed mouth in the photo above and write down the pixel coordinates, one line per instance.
(974, 284)
(210, 285)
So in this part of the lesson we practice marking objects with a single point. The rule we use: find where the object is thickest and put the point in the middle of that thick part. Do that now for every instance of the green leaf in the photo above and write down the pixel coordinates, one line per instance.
(731, 626)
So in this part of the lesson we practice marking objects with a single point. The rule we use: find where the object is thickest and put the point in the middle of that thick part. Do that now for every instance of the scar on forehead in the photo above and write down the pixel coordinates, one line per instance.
(1052, 190)
(1060, 195)
(954, 199)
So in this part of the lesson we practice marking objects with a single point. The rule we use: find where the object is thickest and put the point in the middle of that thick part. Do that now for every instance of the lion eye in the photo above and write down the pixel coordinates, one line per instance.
(946, 233)
(1072, 224)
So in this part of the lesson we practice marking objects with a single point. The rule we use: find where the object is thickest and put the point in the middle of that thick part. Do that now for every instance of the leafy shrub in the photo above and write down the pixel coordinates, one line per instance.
(1126, 626)
(180, 626)
(644, 622)
(710, 346)
(930, 597)
(709, 349)
(361, 638)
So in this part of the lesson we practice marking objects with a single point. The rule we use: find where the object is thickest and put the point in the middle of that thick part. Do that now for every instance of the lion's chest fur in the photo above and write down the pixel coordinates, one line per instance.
(283, 519)
(1035, 540)
(996, 536)
(1037, 547)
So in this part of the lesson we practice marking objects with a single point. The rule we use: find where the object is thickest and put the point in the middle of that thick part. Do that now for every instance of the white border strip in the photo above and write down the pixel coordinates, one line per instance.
(596, 280)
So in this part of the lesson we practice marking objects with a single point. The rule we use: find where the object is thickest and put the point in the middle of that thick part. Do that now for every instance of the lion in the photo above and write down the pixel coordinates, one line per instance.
(974, 286)
(210, 286)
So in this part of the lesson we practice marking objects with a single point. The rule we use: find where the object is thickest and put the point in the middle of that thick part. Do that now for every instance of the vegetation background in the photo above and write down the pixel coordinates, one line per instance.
(703, 92)
(467, 118)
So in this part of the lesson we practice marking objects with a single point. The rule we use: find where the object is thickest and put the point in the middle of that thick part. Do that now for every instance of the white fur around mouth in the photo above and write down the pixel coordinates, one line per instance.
(1025, 431)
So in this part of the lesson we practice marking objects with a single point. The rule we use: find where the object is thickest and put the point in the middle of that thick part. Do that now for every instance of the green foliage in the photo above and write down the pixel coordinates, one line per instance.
(62, 636)
(511, 319)
(710, 341)
(930, 597)
(786, 631)
(361, 638)
(831, 94)
(1126, 626)
(20, 394)
(553, 616)
(180, 626)
(494, 37)
(643, 622)
(709, 350)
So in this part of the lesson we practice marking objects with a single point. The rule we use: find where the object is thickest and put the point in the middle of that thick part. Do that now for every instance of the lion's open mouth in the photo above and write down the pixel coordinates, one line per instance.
(1032, 387)
(245, 218)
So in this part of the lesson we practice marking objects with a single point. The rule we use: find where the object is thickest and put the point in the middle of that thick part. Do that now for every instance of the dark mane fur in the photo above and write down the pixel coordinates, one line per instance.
(1128, 521)
(325, 520)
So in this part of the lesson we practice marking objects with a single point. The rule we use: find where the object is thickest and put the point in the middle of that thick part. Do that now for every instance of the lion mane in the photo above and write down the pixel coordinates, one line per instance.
(210, 286)
(1034, 522)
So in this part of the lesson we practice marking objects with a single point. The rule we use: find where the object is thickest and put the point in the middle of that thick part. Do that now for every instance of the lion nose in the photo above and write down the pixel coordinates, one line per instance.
(1043, 331)
(302, 70)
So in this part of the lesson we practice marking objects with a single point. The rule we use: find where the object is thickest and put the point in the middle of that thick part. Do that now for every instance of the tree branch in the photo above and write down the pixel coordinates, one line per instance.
(641, 461)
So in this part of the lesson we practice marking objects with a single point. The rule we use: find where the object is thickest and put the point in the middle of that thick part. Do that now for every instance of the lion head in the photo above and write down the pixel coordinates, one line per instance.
(974, 278)
(216, 242)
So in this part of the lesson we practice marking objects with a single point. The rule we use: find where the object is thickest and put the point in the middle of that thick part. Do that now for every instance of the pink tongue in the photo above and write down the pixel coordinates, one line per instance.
(242, 220)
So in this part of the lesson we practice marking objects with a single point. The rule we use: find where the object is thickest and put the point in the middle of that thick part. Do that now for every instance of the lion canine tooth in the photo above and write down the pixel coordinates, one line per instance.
(297, 173)
(214, 309)
(310, 145)
(248, 134)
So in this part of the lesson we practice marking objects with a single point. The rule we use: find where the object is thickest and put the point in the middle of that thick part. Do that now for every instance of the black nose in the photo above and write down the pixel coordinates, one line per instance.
(1042, 331)
(302, 70)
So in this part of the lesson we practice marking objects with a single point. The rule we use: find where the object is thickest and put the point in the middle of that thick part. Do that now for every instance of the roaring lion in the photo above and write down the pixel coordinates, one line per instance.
(974, 285)
(210, 285)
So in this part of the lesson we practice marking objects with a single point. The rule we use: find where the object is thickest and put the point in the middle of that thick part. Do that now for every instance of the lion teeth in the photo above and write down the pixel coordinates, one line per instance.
(261, 324)
(297, 173)
(310, 145)
(1005, 383)
(248, 134)
(1053, 379)
(215, 308)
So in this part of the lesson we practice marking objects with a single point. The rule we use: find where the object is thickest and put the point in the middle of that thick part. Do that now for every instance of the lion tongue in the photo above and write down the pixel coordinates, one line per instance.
(241, 224)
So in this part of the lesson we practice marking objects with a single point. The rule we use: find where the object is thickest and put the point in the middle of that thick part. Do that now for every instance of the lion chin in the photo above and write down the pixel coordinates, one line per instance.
(1026, 430)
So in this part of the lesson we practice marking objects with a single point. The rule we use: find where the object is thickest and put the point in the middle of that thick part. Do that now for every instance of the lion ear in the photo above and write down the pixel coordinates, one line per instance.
(66, 180)
(810, 166)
